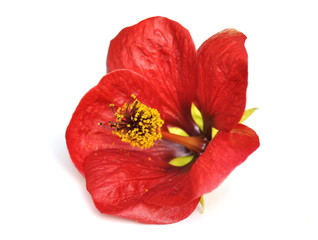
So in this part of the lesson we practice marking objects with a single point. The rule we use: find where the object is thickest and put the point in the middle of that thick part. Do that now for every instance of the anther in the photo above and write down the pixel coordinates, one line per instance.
(103, 125)
(137, 123)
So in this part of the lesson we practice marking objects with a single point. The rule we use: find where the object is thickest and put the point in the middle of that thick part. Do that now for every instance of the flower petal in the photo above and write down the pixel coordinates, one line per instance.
(176, 191)
(163, 52)
(83, 134)
(118, 180)
(224, 153)
(222, 69)
(153, 214)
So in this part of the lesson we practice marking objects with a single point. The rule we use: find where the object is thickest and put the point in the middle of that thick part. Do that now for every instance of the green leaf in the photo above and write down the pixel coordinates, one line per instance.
(247, 114)
(178, 131)
(181, 161)
(197, 116)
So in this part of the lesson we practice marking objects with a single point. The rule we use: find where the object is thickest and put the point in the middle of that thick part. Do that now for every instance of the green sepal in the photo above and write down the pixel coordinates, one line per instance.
(214, 132)
(178, 131)
(202, 203)
(181, 161)
(247, 114)
(197, 116)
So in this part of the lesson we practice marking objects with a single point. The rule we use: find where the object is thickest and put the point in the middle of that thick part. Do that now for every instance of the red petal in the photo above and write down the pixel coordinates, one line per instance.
(153, 214)
(224, 153)
(163, 52)
(222, 66)
(118, 180)
(176, 191)
(83, 135)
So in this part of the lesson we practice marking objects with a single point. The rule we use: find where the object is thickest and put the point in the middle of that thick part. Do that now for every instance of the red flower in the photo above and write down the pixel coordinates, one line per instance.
(154, 76)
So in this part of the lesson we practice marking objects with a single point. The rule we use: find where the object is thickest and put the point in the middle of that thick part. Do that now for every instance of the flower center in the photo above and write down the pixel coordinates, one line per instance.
(137, 124)
(140, 126)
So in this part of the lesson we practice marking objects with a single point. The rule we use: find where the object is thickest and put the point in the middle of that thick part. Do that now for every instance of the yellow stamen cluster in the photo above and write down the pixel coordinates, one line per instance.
(137, 124)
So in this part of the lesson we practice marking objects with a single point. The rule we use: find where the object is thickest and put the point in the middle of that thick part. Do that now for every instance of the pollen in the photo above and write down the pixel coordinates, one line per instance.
(137, 124)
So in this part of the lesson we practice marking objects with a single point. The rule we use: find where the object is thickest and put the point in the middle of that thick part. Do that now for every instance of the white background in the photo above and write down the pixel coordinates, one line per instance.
(53, 52)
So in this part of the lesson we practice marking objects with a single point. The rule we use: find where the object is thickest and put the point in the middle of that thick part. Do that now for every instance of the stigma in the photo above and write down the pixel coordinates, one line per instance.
(137, 124)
